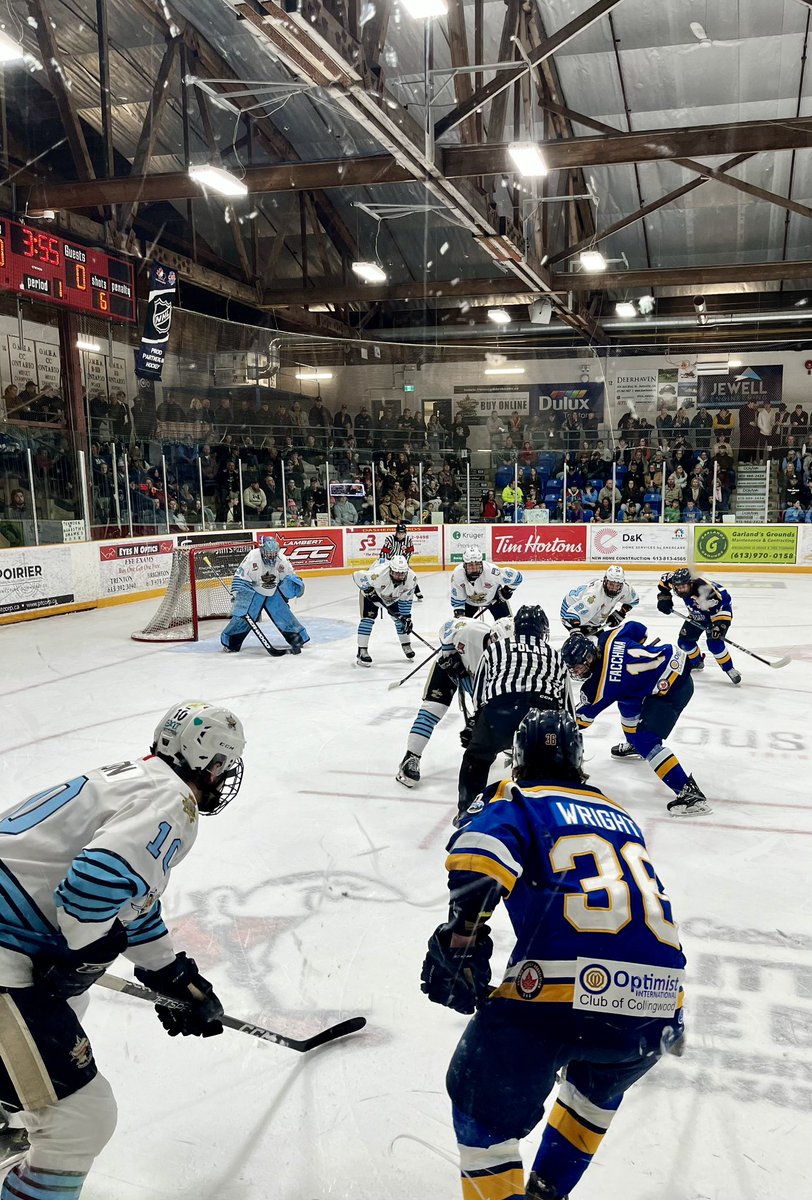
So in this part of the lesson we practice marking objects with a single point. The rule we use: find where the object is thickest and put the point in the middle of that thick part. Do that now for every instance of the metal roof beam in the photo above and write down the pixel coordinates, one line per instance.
(152, 123)
(696, 277)
(505, 290)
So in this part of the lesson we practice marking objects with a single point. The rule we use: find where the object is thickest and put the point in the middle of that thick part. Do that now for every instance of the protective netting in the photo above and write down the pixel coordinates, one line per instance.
(195, 592)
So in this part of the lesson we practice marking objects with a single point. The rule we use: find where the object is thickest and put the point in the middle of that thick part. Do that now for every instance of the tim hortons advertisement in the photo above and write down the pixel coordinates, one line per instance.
(538, 544)
(127, 567)
(311, 549)
(638, 543)
(364, 544)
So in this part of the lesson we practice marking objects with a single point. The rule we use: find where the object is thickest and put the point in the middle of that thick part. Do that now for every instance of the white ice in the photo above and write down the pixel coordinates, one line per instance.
(312, 896)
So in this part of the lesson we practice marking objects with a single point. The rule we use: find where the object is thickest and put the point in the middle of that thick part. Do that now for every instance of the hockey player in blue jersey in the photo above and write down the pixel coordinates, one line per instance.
(82, 868)
(709, 611)
(651, 686)
(593, 986)
(264, 582)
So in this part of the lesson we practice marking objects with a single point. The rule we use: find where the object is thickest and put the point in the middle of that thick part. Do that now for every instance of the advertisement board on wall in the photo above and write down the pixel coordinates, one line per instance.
(457, 537)
(572, 397)
(216, 537)
(638, 543)
(126, 567)
(754, 544)
(538, 544)
(32, 579)
(364, 542)
(311, 549)
(483, 401)
(804, 553)
(739, 385)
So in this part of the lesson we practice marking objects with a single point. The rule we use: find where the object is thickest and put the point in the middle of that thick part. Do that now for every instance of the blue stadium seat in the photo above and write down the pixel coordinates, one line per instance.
(504, 476)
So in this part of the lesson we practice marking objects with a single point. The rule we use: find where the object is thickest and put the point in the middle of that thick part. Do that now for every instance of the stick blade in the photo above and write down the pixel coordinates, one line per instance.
(390, 687)
(343, 1029)
(779, 663)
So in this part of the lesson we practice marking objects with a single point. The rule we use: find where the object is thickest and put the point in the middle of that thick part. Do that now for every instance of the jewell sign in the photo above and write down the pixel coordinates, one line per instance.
(538, 544)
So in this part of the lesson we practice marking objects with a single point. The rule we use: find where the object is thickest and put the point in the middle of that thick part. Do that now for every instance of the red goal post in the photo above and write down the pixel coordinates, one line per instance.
(195, 591)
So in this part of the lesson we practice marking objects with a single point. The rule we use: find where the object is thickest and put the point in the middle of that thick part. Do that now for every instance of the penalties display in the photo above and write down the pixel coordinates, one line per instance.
(36, 263)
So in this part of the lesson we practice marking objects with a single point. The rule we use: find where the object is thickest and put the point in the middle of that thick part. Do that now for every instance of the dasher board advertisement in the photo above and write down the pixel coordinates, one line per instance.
(311, 549)
(531, 544)
(31, 579)
(639, 543)
(364, 544)
(142, 566)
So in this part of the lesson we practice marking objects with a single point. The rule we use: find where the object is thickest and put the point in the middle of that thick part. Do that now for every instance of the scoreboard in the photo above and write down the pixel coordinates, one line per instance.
(44, 266)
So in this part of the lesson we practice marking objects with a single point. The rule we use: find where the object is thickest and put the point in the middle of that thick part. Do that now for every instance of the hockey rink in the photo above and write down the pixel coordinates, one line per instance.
(312, 897)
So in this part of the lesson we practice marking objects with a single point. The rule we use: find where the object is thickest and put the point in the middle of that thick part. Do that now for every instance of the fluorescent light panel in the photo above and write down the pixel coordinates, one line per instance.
(504, 371)
(425, 10)
(370, 272)
(10, 51)
(314, 375)
(593, 260)
(499, 316)
(528, 159)
(83, 343)
(218, 180)
(625, 308)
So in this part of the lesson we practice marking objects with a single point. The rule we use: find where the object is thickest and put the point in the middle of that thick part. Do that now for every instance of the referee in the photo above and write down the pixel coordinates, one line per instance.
(513, 677)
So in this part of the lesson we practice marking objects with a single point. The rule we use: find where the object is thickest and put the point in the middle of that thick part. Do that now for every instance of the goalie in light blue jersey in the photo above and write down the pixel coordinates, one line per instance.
(593, 985)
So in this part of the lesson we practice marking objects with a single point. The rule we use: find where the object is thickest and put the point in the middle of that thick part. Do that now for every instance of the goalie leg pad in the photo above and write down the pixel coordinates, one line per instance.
(283, 618)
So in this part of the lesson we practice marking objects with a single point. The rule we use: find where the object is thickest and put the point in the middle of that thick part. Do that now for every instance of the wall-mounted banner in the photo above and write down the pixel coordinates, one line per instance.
(482, 402)
(534, 544)
(128, 567)
(565, 398)
(740, 385)
(311, 549)
(638, 543)
(457, 537)
(363, 544)
(149, 357)
(39, 578)
(636, 390)
(754, 544)
(216, 538)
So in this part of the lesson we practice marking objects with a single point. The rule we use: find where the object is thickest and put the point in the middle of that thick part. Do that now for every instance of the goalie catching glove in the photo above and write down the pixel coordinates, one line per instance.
(181, 980)
(457, 976)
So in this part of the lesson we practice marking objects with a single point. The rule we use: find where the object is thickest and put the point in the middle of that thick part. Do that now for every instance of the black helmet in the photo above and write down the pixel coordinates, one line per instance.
(681, 578)
(400, 529)
(548, 744)
(579, 655)
(531, 622)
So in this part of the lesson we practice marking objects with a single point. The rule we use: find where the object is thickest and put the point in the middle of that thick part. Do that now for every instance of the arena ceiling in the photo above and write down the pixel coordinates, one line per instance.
(676, 135)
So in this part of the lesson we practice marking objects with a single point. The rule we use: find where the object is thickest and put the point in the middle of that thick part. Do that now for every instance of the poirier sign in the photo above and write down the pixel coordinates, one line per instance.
(536, 544)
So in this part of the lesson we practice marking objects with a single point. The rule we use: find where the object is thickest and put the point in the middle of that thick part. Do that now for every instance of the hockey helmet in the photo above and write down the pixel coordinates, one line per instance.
(614, 580)
(503, 629)
(203, 743)
(400, 531)
(531, 622)
(579, 655)
(682, 581)
(269, 550)
(398, 568)
(548, 744)
(472, 562)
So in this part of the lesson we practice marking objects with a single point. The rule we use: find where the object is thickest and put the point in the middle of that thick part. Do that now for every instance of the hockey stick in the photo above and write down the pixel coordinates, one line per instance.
(396, 683)
(331, 1034)
(776, 666)
(274, 651)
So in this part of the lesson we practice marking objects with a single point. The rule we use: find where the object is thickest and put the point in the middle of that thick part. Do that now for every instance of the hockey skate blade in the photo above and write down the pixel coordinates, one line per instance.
(700, 809)
(409, 783)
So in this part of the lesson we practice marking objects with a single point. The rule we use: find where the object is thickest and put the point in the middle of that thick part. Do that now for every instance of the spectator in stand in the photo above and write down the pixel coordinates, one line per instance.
(631, 490)
(512, 496)
(411, 505)
(313, 453)
(10, 405)
(297, 419)
(605, 495)
(697, 491)
(392, 509)
(794, 513)
(532, 478)
(254, 501)
(673, 513)
(724, 422)
(647, 513)
(449, 495)
(168, 410)
(489, 510)
(664, 422)
(531, 498)
(319, 423)
(571, 432)
(765, 422)
(603, 511)
(533, 432)
(703, 462)
(344, 511)
(99, 409)
(799, 422)
(682, 426)
(681, 478)
(177, 517)
(224, 421)
(629, 510)
(691, 513)
(637, 468)
(342, 426)
(576, 513)
(244, 417)
(673, 493)
(748, 431)
(623, 453)
(782, 428)
(459, 437)
(118, 419)
(627, 423)
(527, 457)
(314, 501)
(589, 496)
(496, 430)
(515, 427)
(363, 428)
(702, 428)
(792, 456)
(404, 427)
(435, 434)
(550, 431)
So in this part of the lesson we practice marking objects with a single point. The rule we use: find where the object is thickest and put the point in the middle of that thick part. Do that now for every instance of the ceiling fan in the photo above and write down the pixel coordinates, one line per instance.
(703, 41)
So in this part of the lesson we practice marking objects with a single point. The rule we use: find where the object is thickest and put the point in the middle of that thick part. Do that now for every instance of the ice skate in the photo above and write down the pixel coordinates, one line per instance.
(691, 801)
(363, 658)
(624, 750)
(537, 1189)
(407, 649)
(409, 770)
(734, 676)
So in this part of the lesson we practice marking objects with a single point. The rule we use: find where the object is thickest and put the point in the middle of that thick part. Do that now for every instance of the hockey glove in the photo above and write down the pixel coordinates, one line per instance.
(453, 665)
(718, 630)
(369, 593)
(181, 980)
(406, 624)
(75, 971)
(665, 604)
(458, 977)
(467, 733)
(505, 592)
(613, 620)
(394, 610)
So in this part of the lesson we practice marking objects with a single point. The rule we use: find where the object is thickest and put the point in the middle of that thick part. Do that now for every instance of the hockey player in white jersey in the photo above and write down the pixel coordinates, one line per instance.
(463, 642)
(82, 869)
(599, 604)
(264, 582)
(391, 586)
(397, 543)
(476, 584)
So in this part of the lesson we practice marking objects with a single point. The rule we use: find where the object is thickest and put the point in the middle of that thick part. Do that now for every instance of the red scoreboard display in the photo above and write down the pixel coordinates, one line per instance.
(43, 265)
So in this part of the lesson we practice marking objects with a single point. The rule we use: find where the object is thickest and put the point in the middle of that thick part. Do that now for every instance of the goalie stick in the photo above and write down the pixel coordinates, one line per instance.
(776, 666)
(331, 1034)
(274, 651)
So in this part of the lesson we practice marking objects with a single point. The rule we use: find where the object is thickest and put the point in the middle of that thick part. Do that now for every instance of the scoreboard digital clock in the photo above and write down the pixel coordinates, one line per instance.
(43, 265)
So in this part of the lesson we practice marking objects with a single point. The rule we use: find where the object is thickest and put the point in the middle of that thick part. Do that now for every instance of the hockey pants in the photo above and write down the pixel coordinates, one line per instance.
(370, 609)
(253, 604)
(498, 609)
(658, 717)
(503, 1070)
(495, 725)
(689, 635)
(437, 698)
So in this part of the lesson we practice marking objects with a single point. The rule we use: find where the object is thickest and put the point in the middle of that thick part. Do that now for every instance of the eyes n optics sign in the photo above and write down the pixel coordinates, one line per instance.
(740, 385)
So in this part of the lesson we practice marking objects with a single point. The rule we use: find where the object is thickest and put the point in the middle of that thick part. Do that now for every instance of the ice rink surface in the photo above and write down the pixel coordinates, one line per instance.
(311, 898)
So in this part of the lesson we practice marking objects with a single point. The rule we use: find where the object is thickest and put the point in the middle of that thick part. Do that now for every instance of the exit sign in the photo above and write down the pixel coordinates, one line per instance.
(408, 387)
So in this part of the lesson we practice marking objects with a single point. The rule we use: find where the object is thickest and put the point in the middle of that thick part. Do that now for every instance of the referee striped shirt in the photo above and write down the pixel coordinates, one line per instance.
(520, 666)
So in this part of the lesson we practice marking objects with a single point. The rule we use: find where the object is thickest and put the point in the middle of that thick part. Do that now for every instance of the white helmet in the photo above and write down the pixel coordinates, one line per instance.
(203, 743)
(503, 629)
(616, 577)
(472, 557)
(398, 565)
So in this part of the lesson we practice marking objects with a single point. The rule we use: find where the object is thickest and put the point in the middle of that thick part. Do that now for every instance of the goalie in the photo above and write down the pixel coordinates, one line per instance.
(264, 582)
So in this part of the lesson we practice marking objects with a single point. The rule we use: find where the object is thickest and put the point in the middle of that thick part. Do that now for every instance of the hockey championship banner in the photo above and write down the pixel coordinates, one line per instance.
(126, 567)
(149, 357)
(310, 549)
(363, 544)
(638, 543)
(531, 544)
(754, 544)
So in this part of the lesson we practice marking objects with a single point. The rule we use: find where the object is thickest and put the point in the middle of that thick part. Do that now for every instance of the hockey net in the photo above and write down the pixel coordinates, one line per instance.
(195, 592)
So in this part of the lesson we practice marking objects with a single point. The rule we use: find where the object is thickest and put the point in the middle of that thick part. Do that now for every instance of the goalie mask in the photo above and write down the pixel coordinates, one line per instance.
(613, 581)
(203, 744)
(398, 569)
(269, 550)
(472, 562)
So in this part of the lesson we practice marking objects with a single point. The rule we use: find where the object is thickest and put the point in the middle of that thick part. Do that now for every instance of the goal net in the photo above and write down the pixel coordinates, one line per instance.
(195, 592)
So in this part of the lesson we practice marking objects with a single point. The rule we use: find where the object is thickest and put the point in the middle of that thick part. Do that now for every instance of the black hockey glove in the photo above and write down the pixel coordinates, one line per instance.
(505, 592)
(613, 620)
(665, 604)
(467, 733)
(453, 665)
(458, 977)
(181, 980)
(406, 624)
(75, 971)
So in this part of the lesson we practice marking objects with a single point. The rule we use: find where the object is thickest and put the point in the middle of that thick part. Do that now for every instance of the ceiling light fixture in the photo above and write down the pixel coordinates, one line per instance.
(625, 308)
(504, 371)
(370, 272)
(314, 376)
(592, 260)
(217, 179)
(84, 343)
(528, 159)
(499, 316)
(10, 51)
(425, 10)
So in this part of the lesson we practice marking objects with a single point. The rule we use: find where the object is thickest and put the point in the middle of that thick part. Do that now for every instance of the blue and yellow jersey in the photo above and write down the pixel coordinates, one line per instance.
(708, 600)
(572, 868)
(628, 672)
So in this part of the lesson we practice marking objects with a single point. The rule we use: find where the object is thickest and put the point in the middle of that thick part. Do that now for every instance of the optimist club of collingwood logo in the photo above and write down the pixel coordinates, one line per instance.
(595, 978)
(530, 980)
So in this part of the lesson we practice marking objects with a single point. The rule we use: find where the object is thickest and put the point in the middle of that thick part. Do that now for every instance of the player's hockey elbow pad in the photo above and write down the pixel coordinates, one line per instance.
(665, 604)
(457, 977)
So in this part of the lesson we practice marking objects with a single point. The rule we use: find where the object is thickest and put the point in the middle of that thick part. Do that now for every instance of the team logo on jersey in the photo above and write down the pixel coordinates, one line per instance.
(476, 807)
(81, 1054)
(595, 978)
(141, 906)
(530, 980)
(190, 808)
